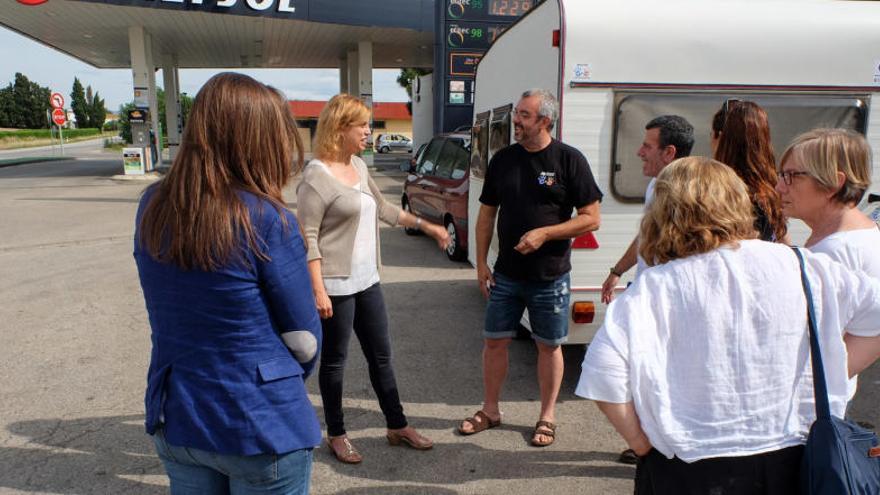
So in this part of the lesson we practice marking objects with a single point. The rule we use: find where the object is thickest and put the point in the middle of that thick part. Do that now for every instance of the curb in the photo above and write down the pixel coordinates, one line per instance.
(11, 162)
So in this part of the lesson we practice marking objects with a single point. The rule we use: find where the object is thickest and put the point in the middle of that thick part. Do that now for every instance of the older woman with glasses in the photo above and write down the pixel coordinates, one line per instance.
(823, 175)
(702, 365)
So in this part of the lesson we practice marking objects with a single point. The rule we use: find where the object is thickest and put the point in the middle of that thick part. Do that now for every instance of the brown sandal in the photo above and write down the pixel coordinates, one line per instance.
(480, 421)
(349, 456)
(416, 441)
(546, 429)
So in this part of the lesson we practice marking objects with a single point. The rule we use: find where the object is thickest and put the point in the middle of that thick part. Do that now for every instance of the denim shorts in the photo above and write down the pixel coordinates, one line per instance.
(547, 303)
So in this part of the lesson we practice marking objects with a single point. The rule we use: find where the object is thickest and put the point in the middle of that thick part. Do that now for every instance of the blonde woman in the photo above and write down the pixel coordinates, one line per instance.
(823, 175)
(339, 206)
(702, 364)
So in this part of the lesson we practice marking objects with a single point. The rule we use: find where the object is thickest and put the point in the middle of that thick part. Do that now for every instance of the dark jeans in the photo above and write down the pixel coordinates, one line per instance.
(364, 313)
(773, 473)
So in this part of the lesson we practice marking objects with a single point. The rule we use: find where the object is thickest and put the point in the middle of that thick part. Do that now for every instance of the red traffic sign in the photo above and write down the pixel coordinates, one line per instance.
(59, 117)
(57, 100)
(32, 2)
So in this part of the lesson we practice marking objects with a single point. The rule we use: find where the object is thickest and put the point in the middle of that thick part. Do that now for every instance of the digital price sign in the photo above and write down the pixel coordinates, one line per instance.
(510, 8)
(464, 31)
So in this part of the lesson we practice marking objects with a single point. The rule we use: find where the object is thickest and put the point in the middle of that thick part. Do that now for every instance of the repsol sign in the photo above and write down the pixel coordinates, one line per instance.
(293, 9)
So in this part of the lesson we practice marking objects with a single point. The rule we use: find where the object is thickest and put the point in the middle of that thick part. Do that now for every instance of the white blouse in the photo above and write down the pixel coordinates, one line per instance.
(713, 349)
(364, 271)
(857, 250)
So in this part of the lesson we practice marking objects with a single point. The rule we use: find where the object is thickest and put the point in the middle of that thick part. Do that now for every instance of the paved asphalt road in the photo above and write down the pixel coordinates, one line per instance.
(74, 347)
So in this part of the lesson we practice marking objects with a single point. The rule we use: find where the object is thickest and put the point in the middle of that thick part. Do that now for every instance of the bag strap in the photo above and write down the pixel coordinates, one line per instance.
(820, 388)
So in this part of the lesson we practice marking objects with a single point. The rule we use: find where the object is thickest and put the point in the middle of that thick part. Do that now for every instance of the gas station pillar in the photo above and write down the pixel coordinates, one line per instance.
(144, 81)
(363, 77)
(173, 122)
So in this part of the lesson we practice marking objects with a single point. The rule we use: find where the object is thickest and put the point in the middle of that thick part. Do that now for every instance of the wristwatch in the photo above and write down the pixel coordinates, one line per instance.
(615, 272)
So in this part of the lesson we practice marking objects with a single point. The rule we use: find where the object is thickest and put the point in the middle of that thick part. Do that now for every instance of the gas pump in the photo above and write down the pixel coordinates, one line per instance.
(139, 157)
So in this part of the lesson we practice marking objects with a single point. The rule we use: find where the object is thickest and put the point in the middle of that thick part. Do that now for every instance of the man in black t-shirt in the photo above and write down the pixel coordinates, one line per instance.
(533, 186)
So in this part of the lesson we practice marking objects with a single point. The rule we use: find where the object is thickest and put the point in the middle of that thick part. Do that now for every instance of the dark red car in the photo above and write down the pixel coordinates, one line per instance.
(436, 188)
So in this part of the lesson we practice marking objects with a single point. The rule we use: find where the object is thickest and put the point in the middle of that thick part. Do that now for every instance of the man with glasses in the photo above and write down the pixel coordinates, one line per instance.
(667, 138)
(534, 186)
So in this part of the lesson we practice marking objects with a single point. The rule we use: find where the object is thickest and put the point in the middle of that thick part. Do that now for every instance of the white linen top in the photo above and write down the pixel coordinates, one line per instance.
(713, 349)
(364, 271)
(649, 198)
(857, 250)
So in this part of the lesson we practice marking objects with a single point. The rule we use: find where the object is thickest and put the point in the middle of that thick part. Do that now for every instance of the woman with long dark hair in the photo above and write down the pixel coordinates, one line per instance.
(743, 144)
(223, 269)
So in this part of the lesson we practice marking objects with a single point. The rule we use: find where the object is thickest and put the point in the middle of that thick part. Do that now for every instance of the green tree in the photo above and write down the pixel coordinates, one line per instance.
(405, 80)
(95, 111)
(24, 104)
(124, 124)
(79, 104)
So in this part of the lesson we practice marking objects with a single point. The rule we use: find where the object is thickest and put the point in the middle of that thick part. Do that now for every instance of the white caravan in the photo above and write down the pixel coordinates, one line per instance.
(615, 65)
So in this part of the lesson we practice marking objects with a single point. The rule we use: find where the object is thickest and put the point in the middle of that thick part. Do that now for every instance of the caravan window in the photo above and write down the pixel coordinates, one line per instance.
(789, 116)
(480, 145)
(499, 129)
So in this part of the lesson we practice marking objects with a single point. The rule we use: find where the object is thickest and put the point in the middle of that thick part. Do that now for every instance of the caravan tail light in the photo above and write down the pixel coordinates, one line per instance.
(583, 312)
(586, 241)
(556, 37)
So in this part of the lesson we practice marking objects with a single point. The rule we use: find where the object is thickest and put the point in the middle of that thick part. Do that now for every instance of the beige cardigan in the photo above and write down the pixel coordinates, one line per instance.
(329, 212)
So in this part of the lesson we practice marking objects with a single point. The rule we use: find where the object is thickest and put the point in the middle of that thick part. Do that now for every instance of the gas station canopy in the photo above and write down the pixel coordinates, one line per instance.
(232, 33)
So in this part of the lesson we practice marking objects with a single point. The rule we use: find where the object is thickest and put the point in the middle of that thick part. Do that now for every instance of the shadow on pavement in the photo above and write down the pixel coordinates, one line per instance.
(429, 340)
(80, 456)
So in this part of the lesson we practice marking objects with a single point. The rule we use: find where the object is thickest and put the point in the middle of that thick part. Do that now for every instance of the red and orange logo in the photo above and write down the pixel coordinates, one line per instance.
(32, 2)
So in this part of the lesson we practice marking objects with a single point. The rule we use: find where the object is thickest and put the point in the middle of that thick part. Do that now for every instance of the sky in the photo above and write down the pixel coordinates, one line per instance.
(56, 70)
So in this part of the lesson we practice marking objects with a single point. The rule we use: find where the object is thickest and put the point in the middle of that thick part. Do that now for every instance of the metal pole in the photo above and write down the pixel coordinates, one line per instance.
(61, 138)
(51, 131)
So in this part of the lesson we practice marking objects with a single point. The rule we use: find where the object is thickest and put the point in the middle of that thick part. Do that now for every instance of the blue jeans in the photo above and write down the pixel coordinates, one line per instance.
(197, 472)
(547, 303)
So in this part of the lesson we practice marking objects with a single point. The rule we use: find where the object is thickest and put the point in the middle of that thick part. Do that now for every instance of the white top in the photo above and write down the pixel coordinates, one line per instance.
(649, 198)
(364, 271)
(856, 250)
(713, 349)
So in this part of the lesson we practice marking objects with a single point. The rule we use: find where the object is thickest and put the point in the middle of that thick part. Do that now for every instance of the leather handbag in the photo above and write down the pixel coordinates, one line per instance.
(841, 457)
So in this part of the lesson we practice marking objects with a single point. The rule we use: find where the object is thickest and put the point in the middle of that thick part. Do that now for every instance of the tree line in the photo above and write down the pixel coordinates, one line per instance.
(24, 105)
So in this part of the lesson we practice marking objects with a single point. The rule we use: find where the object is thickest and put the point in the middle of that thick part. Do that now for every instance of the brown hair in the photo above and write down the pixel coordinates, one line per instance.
(240, 136)
(745, 146)
(338, 114)
(699, 204)
(824, 152)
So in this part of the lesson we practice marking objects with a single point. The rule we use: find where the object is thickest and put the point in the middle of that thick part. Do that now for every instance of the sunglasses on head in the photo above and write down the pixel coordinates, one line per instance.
(728, 106)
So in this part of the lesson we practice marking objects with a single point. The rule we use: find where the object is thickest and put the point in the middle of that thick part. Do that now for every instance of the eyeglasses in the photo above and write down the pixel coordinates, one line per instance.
(727, 107)
(788, 175)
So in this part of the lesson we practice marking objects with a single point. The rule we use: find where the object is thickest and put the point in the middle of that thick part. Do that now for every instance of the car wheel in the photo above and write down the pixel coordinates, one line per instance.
(406, 208)
(454, 251)
(384, 149)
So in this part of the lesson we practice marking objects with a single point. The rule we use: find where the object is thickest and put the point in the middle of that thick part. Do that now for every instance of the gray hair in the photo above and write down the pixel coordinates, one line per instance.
(549, 105)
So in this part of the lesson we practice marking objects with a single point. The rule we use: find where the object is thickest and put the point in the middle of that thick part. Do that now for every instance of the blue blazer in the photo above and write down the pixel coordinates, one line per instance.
(221, 378)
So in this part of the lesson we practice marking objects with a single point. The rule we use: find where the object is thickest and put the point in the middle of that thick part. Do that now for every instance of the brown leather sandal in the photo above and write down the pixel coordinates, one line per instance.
(546, 429)
(416, 441)
(480, 421)
(348, 456)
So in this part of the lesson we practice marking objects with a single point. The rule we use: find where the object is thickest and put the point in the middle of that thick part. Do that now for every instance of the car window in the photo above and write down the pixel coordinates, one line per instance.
(429, 157)
(460, 158)
(445, 161)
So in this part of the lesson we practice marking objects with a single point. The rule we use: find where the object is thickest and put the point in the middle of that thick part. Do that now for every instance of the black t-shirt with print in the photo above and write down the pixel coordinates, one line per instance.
(535, 190)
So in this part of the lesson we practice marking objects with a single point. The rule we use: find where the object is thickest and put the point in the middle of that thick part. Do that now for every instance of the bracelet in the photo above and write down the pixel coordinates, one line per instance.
(615, 272)
(419, 223)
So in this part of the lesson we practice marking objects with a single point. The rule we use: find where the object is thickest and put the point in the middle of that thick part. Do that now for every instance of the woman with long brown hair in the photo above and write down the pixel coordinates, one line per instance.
(340, 206)
(223, 269)
(743, 144)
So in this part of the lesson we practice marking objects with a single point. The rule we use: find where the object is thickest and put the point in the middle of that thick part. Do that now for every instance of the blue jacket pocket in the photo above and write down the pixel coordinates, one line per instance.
(275, 369)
